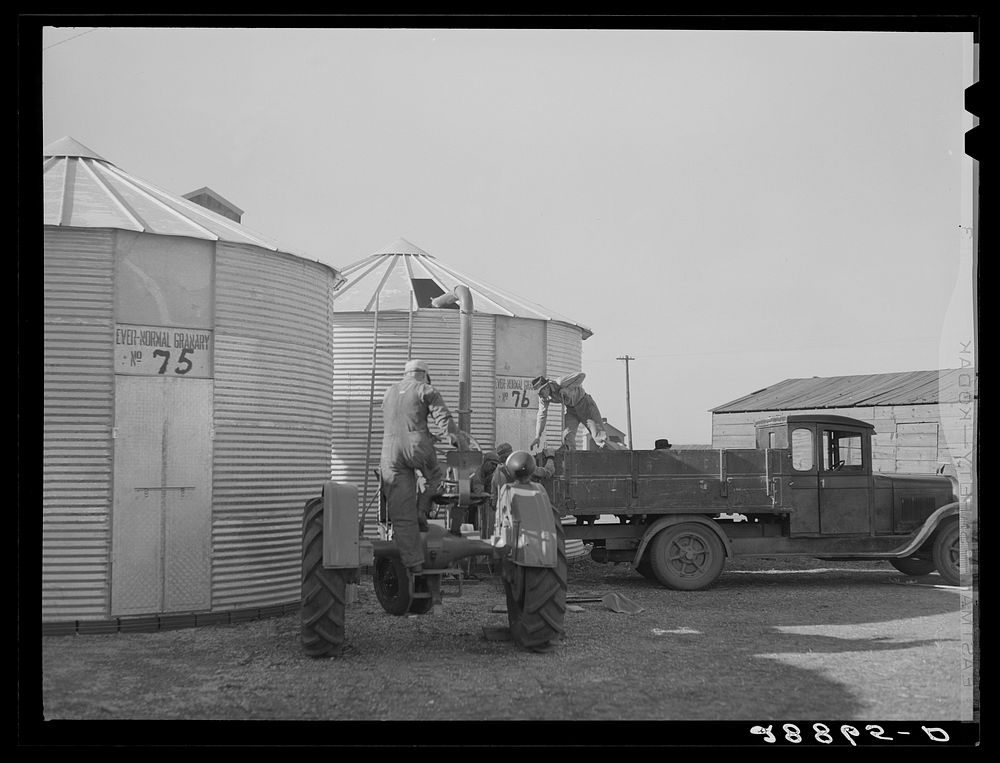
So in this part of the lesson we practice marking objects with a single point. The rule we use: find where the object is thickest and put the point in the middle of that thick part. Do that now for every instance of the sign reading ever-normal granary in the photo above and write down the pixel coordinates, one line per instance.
(514, 392)
(163, 351)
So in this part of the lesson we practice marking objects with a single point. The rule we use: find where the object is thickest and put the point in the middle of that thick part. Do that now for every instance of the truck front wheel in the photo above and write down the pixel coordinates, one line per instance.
(947, 553)
(687, 557)
(324, 591)
(536, 600)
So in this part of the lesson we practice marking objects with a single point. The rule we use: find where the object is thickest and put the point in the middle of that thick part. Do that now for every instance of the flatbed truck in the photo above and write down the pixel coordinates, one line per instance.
(807, 489)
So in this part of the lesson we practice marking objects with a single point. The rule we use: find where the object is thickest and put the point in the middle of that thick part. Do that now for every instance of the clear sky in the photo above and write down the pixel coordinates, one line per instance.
(731, 208)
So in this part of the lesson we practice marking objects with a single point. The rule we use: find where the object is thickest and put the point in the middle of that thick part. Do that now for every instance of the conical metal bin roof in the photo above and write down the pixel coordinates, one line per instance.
(402, 276)
(83, 189)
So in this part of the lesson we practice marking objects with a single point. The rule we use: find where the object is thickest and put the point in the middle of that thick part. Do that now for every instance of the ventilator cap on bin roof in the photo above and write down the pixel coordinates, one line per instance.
(403, 277)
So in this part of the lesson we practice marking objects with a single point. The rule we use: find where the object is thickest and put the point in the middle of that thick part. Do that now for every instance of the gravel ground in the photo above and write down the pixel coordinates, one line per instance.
(771, 640)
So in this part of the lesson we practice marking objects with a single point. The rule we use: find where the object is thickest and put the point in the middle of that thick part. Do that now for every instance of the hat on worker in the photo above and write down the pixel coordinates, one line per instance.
(663, 444)
(504, 449)
(538, 382)
(415, 365)
(491, 456)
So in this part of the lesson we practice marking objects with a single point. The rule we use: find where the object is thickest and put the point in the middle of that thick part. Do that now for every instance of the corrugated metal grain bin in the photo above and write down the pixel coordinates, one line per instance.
(187, 400)
(384, 316)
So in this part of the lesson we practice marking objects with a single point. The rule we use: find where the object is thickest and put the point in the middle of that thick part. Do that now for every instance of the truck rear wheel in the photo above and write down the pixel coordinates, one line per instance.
(912, 566)
(536, 600)
(324, 591)
(392, 588)
(947, 554)
(687, 557)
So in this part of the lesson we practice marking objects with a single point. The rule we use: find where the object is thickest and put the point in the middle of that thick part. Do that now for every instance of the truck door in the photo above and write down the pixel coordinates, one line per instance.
(803, 483)
(844, 481)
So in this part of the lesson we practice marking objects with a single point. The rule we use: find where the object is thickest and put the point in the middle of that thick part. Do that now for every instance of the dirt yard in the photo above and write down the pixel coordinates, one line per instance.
(770, 640)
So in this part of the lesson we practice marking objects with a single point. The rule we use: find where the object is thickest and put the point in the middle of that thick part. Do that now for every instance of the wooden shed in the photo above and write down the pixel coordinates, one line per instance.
(922, 419)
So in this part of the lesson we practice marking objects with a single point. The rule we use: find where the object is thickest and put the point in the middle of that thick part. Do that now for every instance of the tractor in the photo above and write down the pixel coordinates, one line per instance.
(527, 543)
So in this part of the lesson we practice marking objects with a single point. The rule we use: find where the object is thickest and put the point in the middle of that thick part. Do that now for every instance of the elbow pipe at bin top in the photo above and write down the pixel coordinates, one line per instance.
(463, 296)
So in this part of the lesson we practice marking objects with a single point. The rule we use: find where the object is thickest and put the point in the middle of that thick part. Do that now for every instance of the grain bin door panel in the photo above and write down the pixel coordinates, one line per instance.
(136, 527)
(161, 521)
(516, 427)
(520, 356)
(188, 506)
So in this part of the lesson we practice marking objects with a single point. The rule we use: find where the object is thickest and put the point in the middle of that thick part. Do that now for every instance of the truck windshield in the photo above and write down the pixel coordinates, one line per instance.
(842, 450)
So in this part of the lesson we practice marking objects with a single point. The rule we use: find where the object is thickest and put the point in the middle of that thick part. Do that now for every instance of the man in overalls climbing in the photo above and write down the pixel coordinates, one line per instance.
(408, 448)
(578, 406)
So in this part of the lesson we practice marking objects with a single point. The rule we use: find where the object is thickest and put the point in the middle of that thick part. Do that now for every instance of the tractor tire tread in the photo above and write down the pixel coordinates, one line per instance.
(324, 591)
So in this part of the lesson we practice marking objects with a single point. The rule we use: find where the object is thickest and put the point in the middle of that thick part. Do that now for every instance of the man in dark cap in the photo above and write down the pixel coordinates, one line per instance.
(408, 447)
(504, 449)
(578, 408)
(482, 479)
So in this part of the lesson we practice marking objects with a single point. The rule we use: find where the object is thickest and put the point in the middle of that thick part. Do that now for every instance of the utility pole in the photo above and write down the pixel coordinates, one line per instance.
(628, 399)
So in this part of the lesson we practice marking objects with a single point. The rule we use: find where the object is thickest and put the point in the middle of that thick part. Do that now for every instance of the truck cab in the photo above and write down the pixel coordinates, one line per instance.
(831, 488)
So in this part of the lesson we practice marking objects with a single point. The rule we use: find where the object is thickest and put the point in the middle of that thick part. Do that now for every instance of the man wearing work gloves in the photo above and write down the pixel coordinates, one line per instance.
(579, 408)
(408, 447)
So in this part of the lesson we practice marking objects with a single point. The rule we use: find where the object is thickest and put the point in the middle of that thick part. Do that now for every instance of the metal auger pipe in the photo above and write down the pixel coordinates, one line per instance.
(441, 548)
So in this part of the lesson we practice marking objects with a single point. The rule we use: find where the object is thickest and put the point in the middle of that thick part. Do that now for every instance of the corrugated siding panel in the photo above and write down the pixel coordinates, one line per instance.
(430, 335)
(78, 411)
(273, 420)
(564, 355)
(271, 296)
(356, 372)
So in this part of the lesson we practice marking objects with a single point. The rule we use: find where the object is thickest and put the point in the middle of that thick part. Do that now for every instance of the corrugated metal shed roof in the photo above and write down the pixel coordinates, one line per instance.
(905, 388)
(402, 276)
(83, 189)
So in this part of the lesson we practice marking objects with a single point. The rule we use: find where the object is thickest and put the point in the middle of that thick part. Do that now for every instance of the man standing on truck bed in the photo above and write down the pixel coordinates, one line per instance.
(579, 408)
(408, 446)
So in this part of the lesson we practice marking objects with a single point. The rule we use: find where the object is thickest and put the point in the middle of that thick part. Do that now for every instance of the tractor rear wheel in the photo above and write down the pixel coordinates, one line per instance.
(536, 600)
(912, 566)
(324, 591)
(947, 554)
(392, 588)
(687, 557)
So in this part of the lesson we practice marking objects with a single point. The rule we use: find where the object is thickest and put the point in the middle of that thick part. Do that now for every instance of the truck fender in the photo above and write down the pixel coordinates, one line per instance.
(676, 519)
(928, 529)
